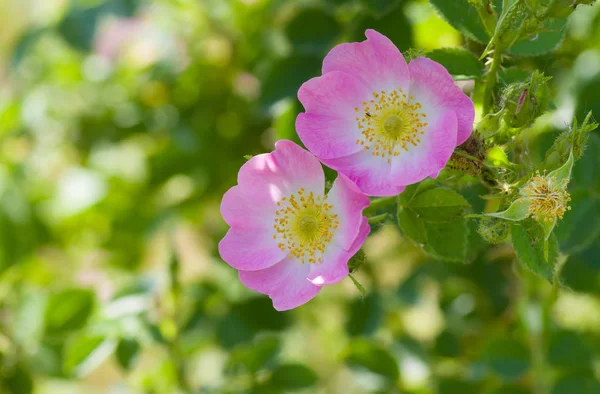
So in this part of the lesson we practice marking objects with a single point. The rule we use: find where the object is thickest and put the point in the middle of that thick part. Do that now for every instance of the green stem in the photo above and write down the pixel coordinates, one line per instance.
(490, 82)
(379, 203)
(378, 218)
(174, 345)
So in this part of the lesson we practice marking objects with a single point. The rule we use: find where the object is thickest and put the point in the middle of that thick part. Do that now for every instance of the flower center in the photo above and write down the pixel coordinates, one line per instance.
(390, 123)
(304, 225)
(548, 197)
(393, 126)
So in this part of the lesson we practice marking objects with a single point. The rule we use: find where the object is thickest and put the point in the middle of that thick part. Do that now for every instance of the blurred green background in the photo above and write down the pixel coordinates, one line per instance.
(122, 122)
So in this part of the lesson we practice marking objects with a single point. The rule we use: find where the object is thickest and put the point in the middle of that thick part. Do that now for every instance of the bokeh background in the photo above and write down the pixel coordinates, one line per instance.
(122, 122)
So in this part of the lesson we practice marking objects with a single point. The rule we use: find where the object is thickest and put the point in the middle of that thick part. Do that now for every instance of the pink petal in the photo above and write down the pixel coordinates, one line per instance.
(286, 283)
(334, 266)
(329, 127)
(371, 174)
(364, 231)
(281, 172)
(430, 156)
(376, 61)
(244, 210)
(250, 249)
(434, 88)
(348, 203)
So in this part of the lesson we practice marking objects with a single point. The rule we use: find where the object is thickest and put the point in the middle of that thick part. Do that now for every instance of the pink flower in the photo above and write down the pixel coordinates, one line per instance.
(287, 238)
(381, 122)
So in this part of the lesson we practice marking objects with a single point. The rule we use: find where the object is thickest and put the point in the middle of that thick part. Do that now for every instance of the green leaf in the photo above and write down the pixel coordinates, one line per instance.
(461, 63)
(463, 17)
(547, 226)
(259, 354)
(379, 7)
(581, 225)
(393, 24)
(580, 384)
(568, 351)
(79, 25)
(447, 344)
(412, 226)
(518, 210)
(457, 386)
(511, 390)
(364, 315)
(528, 241)
(370, 356)
(409, 192)
(564, 171)
(506, 76)
(68, 310)
(544, 42)
(127, 352)
(439, 205)
(358, 286)
(506, 357)
(85, 353)
(16, 379)
(29, 318)
(285, 76)
(448, 240)
(293, 377)
(313, 31)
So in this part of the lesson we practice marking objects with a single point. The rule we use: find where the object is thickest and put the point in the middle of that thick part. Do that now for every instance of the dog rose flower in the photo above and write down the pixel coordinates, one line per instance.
(381, 122)
(287, 238)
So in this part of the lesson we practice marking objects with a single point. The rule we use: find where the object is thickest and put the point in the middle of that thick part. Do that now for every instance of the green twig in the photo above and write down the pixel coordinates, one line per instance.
(378, 218)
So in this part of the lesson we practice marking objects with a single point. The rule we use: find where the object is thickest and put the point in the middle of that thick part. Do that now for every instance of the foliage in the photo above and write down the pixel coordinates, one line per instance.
(122, 122)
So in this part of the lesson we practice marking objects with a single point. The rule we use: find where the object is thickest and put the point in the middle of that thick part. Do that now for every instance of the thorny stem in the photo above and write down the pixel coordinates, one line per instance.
(490, 82)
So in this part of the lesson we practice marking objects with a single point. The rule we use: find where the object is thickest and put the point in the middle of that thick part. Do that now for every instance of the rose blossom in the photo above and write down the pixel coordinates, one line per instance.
(287, 238)
(381, 122)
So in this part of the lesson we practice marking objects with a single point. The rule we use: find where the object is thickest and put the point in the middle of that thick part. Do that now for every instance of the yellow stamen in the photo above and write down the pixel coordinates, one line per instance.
(390, 124)
(306, 225)
(548, 197)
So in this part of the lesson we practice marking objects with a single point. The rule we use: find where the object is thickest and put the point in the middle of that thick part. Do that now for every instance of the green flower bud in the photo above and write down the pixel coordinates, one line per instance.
(493, 230)
(511, 25)
(524, 102)
(573, 139)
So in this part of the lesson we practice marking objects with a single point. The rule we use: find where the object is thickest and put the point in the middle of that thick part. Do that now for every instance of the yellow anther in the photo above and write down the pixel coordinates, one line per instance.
(307, 228)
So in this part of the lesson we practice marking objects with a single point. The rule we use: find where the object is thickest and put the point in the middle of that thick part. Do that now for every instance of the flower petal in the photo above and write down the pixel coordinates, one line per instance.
(348, 203)
(244, 210)
(371, 174)
(434, 88)
(285, 283)
(430, 156)
(363, 232)
(334, 266)
(282, 172)
(376, 61)
(329, 127)
(250, 250)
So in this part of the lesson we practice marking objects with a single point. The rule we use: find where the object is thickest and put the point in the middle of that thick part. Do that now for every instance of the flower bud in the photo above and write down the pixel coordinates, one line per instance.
(511, 25)
(574, 139)
(524, 102)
